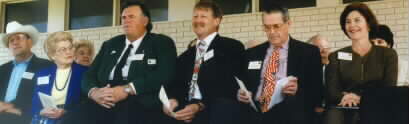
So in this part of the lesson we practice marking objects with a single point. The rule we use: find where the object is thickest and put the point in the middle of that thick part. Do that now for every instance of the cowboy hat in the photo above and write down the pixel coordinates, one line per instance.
(15, 27)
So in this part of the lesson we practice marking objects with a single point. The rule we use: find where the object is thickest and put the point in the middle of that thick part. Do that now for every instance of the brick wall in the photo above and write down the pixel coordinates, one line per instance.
(247, 28)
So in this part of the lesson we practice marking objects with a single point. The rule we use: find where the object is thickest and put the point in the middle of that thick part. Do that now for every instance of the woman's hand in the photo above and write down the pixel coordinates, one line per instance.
(52, 113)
(350, 100)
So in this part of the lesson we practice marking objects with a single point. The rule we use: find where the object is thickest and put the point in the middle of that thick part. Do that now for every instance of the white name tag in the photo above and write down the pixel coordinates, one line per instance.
(43, 80)
(208, 55)
(151, 61)
(345, 56)
(28, 75)
(255, 65)
(137, 57)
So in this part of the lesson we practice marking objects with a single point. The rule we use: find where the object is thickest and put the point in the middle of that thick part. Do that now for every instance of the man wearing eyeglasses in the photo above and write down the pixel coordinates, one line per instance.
(282, 59)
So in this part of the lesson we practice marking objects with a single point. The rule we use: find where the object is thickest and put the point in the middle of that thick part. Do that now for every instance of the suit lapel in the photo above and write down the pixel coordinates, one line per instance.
(8, 68)
(293, 54)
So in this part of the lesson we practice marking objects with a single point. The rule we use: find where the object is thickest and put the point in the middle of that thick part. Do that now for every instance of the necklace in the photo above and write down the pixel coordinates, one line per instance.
(65, 84)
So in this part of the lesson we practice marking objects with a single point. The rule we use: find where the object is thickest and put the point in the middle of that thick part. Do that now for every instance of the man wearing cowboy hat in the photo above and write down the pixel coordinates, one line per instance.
(17, 82)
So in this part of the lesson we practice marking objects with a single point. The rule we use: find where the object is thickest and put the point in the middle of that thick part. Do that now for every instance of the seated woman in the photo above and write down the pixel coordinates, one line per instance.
(61, 81)
(384, 38)
(84, 52)
(354, 68)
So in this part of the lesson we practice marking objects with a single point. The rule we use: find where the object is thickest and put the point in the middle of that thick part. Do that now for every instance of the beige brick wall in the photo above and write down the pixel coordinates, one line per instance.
(247, 27)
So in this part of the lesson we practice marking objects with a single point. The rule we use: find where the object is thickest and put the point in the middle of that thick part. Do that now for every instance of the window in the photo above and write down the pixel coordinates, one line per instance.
(29, 13)
(350, 1)
(90, 13)
(234, 6)
(289, 3)
(158, 9)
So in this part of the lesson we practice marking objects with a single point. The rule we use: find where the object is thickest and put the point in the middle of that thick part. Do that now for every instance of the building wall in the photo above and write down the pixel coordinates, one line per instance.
(248, 29)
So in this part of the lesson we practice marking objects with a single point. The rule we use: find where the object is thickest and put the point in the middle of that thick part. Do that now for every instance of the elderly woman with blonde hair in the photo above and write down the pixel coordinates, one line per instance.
(84, 52)
(61, 81)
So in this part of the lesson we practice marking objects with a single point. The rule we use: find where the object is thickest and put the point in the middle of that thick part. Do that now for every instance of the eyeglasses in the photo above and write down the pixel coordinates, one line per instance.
(65, 49)
(275, 27)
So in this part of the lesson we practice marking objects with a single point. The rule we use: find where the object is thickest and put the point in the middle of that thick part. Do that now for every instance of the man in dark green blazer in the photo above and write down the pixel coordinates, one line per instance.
(124, 80)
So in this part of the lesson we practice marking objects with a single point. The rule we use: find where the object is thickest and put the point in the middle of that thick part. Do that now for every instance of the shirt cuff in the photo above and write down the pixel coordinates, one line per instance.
(132, 88)
(90, 91)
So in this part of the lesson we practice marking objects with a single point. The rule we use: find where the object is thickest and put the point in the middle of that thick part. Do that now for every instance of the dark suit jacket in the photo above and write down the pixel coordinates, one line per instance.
(73, 93)
(25, 91)
(304, 62)
(147, 78)
(216, 75)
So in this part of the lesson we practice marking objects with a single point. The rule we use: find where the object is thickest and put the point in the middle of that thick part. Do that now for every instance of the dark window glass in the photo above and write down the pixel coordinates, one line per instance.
(289, 3)
(350, 1)
(29, 13)
(90, 13)
(158, 9)
(234, 6)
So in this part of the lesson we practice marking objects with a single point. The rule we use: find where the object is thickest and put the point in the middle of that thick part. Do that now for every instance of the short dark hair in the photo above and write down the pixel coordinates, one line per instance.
(385, 33)
(216, 11)
(364, 10)
(273, 8)
(145, 11)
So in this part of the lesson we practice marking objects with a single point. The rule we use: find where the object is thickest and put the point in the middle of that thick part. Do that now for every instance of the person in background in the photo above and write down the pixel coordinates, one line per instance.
(61, 81)
(384, 38)
(16, 80)
(84, 52)
(354, 68)
(322, 43)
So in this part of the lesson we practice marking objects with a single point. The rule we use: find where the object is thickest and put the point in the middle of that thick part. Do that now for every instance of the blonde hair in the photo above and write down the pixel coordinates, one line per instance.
(53, 39)
(85, 43)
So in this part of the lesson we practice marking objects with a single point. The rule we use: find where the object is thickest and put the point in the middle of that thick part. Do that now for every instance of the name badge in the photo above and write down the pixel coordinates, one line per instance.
(345, 56)
(151, 61)
(137, 57)
(43, 80)
(28, 75)
(208, 55)
(255, 65)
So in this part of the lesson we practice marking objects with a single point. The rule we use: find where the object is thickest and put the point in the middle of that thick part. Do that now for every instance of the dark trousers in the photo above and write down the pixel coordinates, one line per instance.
(124, 112)
(217, 111)
(7, 118)
(283, 113)
(341, 116)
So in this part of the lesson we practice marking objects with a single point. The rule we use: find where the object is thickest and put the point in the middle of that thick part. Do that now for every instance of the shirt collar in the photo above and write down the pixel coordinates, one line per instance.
(23, 62)
(208, 39)
(135, 42)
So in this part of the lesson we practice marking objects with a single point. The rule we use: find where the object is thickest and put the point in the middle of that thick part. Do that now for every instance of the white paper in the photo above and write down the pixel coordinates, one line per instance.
(278, 95)
(165, 100)
(243, 87)
(47, 101)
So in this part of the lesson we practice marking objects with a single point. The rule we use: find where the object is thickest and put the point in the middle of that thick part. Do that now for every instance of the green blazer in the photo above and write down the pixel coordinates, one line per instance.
(147, 77)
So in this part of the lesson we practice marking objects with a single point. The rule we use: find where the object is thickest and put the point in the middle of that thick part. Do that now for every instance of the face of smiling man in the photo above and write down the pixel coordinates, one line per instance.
(204, 22)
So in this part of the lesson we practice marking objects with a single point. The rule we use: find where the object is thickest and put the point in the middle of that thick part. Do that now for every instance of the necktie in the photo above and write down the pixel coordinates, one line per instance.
(269, 80)
(198, 61)
(118, 76)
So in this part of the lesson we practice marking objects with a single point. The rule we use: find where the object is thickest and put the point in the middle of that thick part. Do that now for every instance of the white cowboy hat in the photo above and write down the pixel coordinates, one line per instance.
(15, 27)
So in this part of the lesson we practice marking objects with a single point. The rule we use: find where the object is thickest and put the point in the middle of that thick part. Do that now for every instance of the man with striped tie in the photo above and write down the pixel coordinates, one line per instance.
(282, 64)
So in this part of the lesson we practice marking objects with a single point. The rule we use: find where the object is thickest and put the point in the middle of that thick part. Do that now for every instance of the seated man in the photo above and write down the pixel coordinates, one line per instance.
(16, 82)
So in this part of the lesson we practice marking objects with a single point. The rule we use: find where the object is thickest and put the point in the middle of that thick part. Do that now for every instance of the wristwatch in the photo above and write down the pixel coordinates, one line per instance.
(128, 89)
